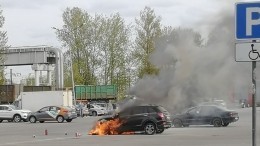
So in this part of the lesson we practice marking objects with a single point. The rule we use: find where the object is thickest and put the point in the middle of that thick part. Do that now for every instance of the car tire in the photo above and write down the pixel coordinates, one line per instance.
(41, 121)
(149, 128)
(32, 119)
(217, 122)
(17, 118)
(1, 121)
(225, 124)
(60, 119)
(159, 131)
(69, 120)
(177, 123)
(94, 113)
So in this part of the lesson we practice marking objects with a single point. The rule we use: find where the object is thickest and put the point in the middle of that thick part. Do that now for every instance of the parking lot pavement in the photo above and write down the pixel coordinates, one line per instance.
(64, 134)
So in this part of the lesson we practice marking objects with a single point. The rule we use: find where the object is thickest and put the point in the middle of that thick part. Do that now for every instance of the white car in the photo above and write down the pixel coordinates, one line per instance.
(95, 110)
(11, 113)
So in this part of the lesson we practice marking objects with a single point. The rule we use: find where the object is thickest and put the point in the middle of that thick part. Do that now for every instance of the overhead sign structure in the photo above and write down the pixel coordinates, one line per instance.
(247, 52)
(248, 21)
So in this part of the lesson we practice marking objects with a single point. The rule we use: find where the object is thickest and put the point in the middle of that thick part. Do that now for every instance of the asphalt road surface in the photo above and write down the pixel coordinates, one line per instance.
(64, 134)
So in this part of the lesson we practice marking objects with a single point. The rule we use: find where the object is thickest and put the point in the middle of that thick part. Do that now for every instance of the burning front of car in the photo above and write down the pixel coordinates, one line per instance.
(108, 127)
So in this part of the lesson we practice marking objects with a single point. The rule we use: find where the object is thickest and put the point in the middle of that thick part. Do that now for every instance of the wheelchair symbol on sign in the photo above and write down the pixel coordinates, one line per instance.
(253, 54)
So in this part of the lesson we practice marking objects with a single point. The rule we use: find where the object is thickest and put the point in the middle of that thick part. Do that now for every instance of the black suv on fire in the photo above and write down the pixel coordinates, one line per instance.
(149, 119)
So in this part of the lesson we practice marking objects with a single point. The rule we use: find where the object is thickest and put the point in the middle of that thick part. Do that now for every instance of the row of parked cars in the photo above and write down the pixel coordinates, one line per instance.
(148, 118)
(48, 113)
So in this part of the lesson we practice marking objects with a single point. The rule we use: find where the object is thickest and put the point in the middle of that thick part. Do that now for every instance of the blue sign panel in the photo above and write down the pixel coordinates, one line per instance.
(248, 20)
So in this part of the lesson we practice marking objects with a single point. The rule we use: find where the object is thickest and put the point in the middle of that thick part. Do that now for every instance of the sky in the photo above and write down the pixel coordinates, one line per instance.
(30, 22)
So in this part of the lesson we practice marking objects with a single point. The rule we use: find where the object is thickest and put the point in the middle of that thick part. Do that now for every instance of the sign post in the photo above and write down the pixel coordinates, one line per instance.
(248, 28)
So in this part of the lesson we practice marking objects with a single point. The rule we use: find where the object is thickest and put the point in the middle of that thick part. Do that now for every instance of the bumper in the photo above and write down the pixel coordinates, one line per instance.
(72, 116)
(231, 119)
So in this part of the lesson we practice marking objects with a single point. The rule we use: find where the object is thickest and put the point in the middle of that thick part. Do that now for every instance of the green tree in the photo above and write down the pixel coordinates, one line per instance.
(3, 46)
(148, 28)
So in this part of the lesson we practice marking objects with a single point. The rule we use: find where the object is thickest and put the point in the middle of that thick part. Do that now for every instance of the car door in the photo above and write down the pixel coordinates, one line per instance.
(2, 112)
(136, 118)
(53, 113)
(124, 116)
(192, 116)
(206, 114)
(6, 112)
(42, 114)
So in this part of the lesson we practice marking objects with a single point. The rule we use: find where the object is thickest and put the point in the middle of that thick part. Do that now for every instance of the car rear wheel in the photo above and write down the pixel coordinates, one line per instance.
(60, 119)
(217, 122)
(225, 124)
(177, 123)
(69, 120)
(17, 118)
(149, 128)
(1, 121)
(94, 113)
(32, 119)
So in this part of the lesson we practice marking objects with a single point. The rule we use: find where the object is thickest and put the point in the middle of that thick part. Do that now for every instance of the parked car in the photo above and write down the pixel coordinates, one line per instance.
(53, 113)
(205, 115)
(108, 107)
(83, 109)
(11, 113)
(95, 110)
(149, 119)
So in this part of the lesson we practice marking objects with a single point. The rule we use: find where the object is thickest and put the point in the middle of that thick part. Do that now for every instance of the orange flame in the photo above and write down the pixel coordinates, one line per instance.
(108, 128)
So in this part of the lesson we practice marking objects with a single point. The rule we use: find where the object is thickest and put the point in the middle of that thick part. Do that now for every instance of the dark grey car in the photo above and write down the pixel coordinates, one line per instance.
(53, 113)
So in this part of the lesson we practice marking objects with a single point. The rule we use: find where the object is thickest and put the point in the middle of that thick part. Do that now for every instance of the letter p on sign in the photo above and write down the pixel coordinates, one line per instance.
(250, 20)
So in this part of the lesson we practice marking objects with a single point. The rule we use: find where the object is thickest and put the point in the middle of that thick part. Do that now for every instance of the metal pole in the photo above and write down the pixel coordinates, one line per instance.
(253, 102)
(11, 77)
(72, 79)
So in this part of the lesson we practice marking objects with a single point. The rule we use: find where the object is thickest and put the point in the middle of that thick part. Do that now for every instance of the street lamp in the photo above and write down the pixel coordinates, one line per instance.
(71, 65)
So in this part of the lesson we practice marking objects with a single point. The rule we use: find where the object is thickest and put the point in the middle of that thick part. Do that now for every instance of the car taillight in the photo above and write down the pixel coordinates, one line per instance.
(65, 111)
(161, 115)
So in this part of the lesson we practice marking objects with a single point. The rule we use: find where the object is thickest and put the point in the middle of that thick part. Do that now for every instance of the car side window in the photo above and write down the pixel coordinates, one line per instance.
(194, 111)
(1, 108)
(44, 109)
(206, 110)
(151, 110)
(138, 110)
(54, 108)
(5, 108)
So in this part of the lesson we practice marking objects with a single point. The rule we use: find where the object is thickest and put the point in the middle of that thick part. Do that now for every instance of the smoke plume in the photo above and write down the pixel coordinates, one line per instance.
(191, 73)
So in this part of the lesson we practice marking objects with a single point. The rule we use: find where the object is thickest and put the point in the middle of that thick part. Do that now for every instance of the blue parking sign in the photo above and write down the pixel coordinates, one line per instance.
(248, 20)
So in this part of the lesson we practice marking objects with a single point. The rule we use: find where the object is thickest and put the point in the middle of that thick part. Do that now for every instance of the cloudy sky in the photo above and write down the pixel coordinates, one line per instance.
(30, 22)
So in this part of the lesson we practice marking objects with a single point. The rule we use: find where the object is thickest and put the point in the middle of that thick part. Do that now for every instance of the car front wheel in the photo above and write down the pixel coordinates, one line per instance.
(1, 121)
(60, 119)
(217, 122)
(149, 129)
(32, 119)
(177, 123)
(17, 118)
